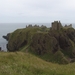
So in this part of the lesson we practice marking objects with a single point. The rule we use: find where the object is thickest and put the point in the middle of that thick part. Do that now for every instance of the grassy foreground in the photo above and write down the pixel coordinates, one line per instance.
(19, 63)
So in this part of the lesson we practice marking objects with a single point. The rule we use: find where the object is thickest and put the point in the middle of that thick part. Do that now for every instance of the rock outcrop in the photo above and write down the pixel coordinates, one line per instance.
(0, 48)
(7, 36)
(54, 45)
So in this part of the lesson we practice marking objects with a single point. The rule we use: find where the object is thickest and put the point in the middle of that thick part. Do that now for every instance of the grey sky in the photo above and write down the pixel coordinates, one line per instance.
(37, 11)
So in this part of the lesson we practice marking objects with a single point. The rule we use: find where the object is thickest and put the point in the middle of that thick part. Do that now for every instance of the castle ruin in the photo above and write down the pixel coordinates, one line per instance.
(56, 25)
(68, 26)
(35, 26)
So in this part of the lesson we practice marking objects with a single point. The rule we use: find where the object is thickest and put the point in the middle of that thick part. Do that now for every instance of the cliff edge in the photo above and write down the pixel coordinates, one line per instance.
(56, 46)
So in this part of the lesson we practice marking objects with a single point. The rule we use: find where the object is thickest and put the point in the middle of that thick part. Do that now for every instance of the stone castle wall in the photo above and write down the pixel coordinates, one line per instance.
(68, 26)
(30, 26)
(56, 25)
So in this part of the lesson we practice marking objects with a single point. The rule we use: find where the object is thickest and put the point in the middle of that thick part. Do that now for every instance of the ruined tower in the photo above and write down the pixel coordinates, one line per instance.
(56, 25)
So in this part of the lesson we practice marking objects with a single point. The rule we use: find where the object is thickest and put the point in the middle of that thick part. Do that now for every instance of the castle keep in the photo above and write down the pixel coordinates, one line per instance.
(56, 25)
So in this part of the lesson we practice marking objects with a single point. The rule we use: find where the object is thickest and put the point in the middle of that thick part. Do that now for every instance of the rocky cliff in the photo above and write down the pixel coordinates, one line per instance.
(7, 36)
(51, 45)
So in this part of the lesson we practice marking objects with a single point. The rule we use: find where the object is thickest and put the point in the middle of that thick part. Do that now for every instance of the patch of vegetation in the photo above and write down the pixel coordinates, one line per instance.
(21, 37)
(20, 63)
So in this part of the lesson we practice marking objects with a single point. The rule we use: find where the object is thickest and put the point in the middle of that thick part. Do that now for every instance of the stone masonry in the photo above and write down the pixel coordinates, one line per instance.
(56, 25)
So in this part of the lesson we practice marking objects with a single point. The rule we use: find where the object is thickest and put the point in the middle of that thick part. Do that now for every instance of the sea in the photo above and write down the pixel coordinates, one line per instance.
(6, 28)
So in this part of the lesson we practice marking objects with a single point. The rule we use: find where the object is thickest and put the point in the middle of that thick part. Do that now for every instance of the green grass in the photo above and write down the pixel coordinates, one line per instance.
(19, 63)
(20, 35)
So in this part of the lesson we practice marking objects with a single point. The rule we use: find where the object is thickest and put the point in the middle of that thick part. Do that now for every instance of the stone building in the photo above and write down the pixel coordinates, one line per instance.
(36, 25)
(68, 26)
(56, 25)
(29, 26)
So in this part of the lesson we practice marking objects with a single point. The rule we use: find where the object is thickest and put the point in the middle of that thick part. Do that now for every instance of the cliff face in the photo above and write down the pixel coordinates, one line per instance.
(53, 45)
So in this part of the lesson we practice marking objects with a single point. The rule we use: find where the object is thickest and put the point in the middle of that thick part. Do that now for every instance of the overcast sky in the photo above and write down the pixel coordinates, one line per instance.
(37, 11)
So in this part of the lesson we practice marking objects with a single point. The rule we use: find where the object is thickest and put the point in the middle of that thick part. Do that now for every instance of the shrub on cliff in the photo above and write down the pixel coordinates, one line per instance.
(60, 58)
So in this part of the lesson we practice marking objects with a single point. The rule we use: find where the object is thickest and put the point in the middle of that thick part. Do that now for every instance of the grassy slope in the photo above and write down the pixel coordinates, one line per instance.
(19, 63)
(21, 35)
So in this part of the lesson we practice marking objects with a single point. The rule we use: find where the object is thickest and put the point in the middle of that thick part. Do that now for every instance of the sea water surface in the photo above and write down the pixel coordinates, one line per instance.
(6, 28)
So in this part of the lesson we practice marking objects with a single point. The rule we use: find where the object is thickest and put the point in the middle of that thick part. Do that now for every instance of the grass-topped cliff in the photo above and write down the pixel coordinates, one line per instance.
(56, 46)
